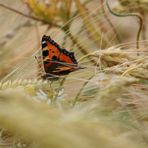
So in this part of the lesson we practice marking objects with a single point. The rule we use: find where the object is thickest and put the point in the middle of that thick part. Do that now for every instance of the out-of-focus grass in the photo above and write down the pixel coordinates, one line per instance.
(110, 110)
(102, 105)
(39, 125)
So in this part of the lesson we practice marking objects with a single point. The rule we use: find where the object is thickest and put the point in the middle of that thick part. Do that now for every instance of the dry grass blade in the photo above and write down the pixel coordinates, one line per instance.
(93, 32)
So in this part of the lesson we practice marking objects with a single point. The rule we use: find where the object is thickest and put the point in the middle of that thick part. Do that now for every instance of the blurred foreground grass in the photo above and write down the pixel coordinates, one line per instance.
(103, 105)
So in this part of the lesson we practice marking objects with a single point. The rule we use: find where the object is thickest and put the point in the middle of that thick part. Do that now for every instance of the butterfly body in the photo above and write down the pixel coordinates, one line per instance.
(56, 60)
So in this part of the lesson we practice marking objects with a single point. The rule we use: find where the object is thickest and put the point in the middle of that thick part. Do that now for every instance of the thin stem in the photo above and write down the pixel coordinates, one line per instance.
(21, 13)
(80, 91)
(129, 14)
(144, 25)
(28, 16)
(110, 23)
(82, 49)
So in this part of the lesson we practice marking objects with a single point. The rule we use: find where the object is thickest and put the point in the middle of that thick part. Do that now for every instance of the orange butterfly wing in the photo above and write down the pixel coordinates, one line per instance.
(57, 61)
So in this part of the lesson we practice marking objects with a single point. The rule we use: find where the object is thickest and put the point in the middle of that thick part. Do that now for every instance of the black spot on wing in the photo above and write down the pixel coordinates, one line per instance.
(46, 62)
(45, 53)
(54, 58)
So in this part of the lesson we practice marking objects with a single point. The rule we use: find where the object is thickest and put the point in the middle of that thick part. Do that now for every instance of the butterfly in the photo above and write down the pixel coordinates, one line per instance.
(57, 61)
